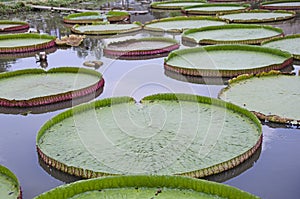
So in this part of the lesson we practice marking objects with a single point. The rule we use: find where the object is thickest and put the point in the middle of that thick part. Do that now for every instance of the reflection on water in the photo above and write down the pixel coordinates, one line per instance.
(272, 173)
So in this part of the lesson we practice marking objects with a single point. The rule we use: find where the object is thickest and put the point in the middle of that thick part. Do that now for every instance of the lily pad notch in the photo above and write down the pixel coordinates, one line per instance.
(16, 43)
(214, 167)
(7, 98)
(211, 62)
(9, 184)
(140, 186)
(13, 26)
(140, 47)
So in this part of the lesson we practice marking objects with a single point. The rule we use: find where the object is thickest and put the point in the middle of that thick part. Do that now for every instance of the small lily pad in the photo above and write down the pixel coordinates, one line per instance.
(13, 26)
(9, 184)
(281, 5)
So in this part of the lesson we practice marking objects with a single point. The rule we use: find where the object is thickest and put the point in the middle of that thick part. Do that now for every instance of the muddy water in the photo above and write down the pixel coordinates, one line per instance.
(273, 172)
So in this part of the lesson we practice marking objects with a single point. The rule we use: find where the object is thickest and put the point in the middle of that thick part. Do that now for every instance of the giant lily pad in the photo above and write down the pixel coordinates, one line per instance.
(163, 134)
(215, 8)
(226, 60)
(157, 46)
(290, 43)
(13, 26)
(25, 42)
(92, 17)
(232, 34)
(106, 29)
(282, 4)
(9, 184)
(178, 24)
(175, 5)
(258, 16)
(272, 96)
(35, 87)
(145, 187)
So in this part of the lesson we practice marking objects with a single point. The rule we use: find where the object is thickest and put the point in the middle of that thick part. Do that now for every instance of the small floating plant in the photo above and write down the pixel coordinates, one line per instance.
(9, 184)
(152, 46)
(25, 42)
(162, 134)
(272, 96)
(225, 60)
(232, 34)
(47, 87)
(141, 186)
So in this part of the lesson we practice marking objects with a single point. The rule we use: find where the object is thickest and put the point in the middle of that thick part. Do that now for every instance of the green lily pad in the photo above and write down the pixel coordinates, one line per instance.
(179, 24)
(163, 134)
(232, 34)
(271, 96)
(282, 5)
(9, 184)
(13, 26)
(35, 87)
(145, 187)
(290, 43)
(174, 5)
(25, 42)
(139, 48)
(105, 29)
(214, 8)
(226, 60)
(258, 16)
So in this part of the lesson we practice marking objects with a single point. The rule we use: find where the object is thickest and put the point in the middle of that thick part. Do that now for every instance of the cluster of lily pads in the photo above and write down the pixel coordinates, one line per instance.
(149, 145)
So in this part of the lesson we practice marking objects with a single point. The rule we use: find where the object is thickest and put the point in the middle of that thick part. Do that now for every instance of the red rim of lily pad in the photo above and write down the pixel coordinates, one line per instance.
(114, 52)
(17, 26)
(54, 98)
(27, 48)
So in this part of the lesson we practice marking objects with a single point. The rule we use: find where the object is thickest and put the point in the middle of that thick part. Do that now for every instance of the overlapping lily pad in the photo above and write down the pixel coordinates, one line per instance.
(25, 42)
(92, 17)
(282, 4)
(175, 5)
(106, 29)
(145, 187)
(232, 34)
(258, 16)
(271, 96)
(181, 23)
(9, 184)
(226, 60)
(290, 43)
(13, 26)
(163, 134)
(36, 87)
(152, 46)
(214, 9)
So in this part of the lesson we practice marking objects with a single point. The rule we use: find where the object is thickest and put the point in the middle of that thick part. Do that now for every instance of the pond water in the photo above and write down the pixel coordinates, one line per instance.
(273, 173)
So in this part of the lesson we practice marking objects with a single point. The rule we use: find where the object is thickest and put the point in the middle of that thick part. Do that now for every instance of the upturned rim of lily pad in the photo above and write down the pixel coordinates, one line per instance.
(115, 53)
(262, 116)
(156, 5)
(288, 60)
(211, 170)
(187, 39)
(295, 56)
(27, 48)
(146, 181)
(290, 15)
(178, 18)
(270, 5)
(50, 99)
(5, 171)
(189, 9)
(138, 26)
(21, 26)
